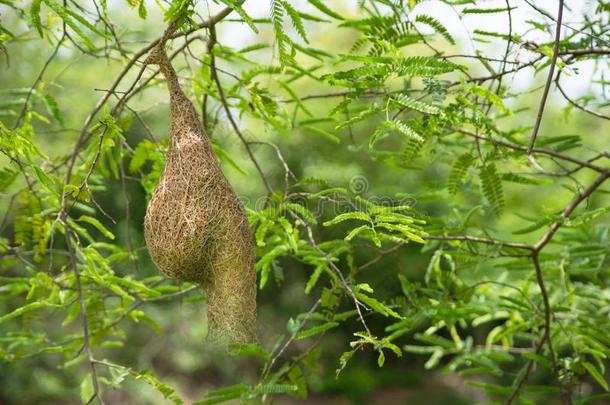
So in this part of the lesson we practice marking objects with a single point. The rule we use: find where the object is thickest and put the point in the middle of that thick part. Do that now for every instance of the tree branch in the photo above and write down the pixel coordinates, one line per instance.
(541, 151)
(549, 79)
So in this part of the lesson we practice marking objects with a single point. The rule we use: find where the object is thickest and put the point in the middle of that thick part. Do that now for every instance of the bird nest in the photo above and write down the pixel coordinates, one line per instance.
(196, 229)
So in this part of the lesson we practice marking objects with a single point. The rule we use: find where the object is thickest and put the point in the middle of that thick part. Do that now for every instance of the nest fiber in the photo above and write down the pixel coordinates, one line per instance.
(195, 227)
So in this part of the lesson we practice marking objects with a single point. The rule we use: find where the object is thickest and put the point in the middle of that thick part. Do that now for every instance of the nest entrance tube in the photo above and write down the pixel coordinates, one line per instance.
(195, 227)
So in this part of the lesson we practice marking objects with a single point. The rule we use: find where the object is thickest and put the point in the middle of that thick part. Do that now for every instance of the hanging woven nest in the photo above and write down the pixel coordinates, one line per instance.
(195, 227)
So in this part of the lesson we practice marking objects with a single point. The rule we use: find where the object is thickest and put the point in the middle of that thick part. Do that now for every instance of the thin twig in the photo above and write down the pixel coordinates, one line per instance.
(541, 151)
(38, 79)
(269, 366)
(549, 79)
(85, 322)
(544, 240)
(575, 104)
(484, 241)
(380, 256)
(565, 214)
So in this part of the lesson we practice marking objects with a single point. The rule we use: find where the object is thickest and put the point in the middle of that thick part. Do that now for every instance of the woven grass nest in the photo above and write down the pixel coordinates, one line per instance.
(195, 227)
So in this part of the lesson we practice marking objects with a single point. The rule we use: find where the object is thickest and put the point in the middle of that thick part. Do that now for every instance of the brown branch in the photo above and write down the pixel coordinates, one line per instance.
(89, 119)
(575, 53)
(506, 285)
(287, 172)
(133, 90)
(85, 322)
(225, 104)
(500, 74)
(477, 57)
(565, 214)
(269, 366)
(546, 335)
(371, 93)
(549, 79)
(546, 238)
(380, 256)
(484, 241)
(540, 151)
(574, 103)
(38, 79)
(336, 269)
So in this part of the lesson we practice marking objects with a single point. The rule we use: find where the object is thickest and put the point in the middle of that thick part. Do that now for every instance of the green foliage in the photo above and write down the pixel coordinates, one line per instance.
(458, 172)
(492, 187)
(436, 25)
(359, 134)
(71, 18)
(393, 224)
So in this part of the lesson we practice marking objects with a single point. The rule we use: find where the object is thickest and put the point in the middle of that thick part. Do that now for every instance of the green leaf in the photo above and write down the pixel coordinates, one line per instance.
(53, 108)
(588, 216)
(535, 226)
(252, 350)
(395, 125)
(299, 209)
(224, 394)
(97, 224)
(167, 391)
(601, 380)
(264, 263)
(324, 134)
(405, 101)
(236, 6)
(275, 389)
(45, 180)
(33, 306)
(348, 215)
(69, 16)
(380, 359)
(486, 10)
(377, 306)
(323, 8)
(142, 13)
(491, 97)
(421, 66)
(494, 389)
(436, 25)
(458, 172)
(86, 389)
(343, 360)
(7, 177)
(313, 279)
(139, 157)
(134, 285)
(404, 129)
(354, 232)
(516, 178)
(433, 361)
(316, 330)
(296, 20)
(380, 132)
(35, 16)
(492, 187)
(72, 313)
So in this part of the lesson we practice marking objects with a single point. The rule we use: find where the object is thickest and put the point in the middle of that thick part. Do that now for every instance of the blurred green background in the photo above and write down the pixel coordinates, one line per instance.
(173, 347)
